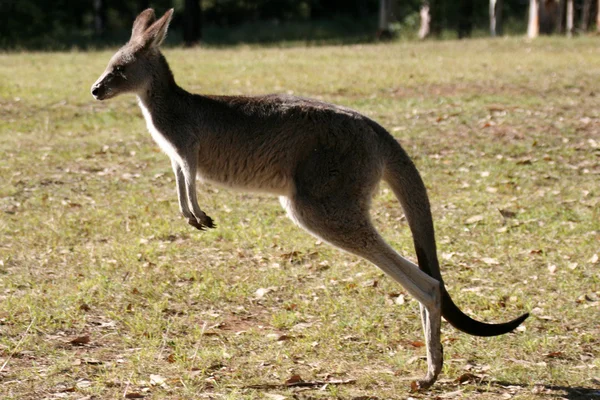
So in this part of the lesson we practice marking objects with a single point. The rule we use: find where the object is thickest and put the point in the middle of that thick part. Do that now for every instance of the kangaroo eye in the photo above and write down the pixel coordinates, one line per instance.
(119, 68)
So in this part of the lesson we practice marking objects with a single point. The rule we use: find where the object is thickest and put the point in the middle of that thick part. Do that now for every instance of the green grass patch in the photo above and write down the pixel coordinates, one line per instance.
(105, 291)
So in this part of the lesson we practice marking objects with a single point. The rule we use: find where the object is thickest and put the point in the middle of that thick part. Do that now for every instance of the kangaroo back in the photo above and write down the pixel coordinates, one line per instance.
(406, 183)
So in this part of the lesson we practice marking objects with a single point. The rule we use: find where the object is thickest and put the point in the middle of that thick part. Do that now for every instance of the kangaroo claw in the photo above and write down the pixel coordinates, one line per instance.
(206, 222)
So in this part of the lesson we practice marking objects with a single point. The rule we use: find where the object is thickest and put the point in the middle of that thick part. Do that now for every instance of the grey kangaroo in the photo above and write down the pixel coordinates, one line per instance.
(323, 161)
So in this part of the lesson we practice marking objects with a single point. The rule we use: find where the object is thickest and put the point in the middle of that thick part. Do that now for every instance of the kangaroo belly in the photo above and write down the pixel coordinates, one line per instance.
(247, 177)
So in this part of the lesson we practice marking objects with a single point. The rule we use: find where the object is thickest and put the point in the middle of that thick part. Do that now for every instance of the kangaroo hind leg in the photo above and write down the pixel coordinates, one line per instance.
(346, 224)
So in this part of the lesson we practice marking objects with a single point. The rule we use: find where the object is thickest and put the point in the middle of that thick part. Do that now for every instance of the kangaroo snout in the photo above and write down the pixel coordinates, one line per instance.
(99, 91)
(95, 91)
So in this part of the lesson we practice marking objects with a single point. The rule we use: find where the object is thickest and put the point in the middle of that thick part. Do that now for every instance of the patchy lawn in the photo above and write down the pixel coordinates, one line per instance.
(105, 292)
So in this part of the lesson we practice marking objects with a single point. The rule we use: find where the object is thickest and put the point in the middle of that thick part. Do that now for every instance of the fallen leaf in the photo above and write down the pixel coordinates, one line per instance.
(490, 261)
(554, 354)
(80, 341)
(157, 380)
(474, 219)
(83, 383)
(417, 343)
(525, 161)
(294, 379)
(449, 395)
(91, 361)
(468, 377)
(594, 259)
(507, 213)
(370, 283)
(134, 395)
(591, 297)
(275, 396)
(261, 292)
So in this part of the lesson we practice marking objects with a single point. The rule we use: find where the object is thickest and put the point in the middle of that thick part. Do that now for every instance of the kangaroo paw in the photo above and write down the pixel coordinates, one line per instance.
(208, 222)
(205, 222)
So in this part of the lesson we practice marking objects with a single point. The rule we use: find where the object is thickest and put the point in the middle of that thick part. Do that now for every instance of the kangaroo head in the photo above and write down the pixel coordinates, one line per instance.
(132, 68)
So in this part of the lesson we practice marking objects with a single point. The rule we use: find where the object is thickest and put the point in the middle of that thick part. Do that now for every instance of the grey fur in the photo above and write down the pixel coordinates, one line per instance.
(324, 161)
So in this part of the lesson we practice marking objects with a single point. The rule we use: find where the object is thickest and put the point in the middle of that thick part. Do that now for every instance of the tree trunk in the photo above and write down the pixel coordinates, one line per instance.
(425, 20)
(547, 16)
(560, 17)
(533, 26)
(192, 22)
(569, 23)
(385, 11)
(99, 17)
(585, 15)
(598, 17)
(496, 18)
(499, 21)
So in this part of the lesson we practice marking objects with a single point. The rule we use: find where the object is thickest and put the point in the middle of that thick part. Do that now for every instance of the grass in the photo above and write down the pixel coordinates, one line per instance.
(106, 292)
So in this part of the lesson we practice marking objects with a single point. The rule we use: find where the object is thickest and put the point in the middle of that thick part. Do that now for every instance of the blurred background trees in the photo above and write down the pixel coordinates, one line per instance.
(93, 23)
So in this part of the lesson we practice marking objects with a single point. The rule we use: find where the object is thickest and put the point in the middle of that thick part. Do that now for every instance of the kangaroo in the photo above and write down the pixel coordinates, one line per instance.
(323, 161)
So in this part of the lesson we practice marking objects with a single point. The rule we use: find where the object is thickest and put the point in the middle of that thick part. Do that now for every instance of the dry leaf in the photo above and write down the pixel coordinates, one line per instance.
(591, 297)
(594, 259)
(370, 283)
(468, 377)
(91, 361)
(294, 380)
(417, 343)
(80, 341)
(507, 213)
(274, 396)
(554, 354)
(261, 292)
(449, 395)
(474, 219)
(83, 383)
(134, 395)
(524, 161)
(490, 261)
(157, 380)
(414, 386)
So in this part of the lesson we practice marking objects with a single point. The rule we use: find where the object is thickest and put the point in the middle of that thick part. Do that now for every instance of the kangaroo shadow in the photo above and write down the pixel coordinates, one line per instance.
(554, 391)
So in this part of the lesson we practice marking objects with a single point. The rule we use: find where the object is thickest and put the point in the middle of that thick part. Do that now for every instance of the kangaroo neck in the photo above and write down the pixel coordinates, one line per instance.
(162, 92)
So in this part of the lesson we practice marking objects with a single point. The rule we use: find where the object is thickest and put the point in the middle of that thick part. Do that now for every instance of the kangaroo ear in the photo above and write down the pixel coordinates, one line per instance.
(142, 22)
(156, 33)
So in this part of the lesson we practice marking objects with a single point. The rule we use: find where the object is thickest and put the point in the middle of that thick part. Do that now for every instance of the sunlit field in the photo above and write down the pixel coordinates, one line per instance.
(106, 292)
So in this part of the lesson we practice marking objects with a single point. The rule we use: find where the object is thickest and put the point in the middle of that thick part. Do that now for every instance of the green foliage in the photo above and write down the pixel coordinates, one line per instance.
(65, 24)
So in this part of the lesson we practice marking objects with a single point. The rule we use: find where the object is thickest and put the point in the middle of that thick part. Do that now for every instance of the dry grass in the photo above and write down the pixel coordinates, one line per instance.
(106, 292)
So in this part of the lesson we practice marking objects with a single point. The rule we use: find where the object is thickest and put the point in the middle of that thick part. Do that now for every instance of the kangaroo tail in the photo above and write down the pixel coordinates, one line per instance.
(406, 183)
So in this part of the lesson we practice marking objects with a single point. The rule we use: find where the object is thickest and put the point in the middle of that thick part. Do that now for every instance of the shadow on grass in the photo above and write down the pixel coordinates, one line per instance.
(553, 391)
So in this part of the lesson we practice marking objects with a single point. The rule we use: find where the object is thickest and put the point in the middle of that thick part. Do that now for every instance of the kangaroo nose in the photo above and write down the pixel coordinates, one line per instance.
(95, 91)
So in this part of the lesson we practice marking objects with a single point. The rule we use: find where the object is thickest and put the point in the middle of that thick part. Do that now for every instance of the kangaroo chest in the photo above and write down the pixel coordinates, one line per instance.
(236, 168)
(164, 144)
